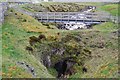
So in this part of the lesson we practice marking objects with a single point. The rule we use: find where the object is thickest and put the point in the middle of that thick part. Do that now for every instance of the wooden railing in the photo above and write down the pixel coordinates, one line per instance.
(71, 16)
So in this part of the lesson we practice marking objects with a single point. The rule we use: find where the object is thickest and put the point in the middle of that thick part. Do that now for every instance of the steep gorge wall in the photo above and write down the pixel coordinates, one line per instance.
(64, 55)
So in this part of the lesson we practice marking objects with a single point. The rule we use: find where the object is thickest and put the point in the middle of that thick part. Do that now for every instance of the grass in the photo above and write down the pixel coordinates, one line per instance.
(108, 26)
(0, 51)
(53, 7)
(80, 3)
(28, 9)
(111, 8)
(107, 70)
(63, 7)
(3, 0)
(14, 42)
(89, 3)
(31, 7)
(15, 36)
(29, 24)
(52, 71)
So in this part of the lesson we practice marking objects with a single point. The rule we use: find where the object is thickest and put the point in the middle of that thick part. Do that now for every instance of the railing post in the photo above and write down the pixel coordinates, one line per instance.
(116, 18)
(84, 18)
(41, 16)
(68, 16)
(76, 17)
(61, 17)
(54, 16)
(91, 17)
(47, 16)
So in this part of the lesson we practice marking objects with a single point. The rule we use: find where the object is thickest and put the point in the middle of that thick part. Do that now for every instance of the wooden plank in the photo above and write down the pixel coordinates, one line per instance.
(68, 15)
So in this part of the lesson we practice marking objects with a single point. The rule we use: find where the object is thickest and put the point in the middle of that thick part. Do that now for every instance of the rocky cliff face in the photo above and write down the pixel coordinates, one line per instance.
(63, 55)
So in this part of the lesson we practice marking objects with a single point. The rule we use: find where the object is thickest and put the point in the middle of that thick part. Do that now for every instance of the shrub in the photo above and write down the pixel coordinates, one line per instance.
(11, 10)
(33, 40)
(48, 27)
(15, 13)
(45, 24)
(41, 37)
(30, 49)
(58, 33)
(24, 20)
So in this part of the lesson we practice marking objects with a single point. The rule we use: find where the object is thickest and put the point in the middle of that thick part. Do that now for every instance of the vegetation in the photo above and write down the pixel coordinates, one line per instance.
(0, 50)
(111, 8)
(26, 40)
(15, 38)
(108, 26)
(3, 0)
(63, 7)
(34, 7)
(55, 7)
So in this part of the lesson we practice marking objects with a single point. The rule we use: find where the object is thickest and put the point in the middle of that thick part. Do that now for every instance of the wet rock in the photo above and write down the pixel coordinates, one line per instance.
(58, 51)
(27, 67)
(47, 61)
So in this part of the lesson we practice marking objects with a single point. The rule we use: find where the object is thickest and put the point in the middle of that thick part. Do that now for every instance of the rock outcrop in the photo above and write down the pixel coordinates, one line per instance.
(62, 55)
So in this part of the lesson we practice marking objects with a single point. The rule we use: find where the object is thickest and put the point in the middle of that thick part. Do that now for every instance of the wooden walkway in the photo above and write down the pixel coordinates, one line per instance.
(68, 16)
(72, 16)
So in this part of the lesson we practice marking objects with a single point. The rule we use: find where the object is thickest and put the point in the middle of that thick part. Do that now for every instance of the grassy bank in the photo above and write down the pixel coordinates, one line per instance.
(0, 51)
(15, 36)
(108, 26)
(57, 7)
(111, 8)
(18, 27)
